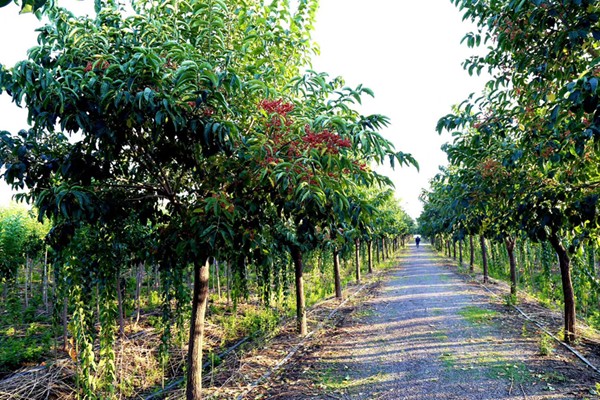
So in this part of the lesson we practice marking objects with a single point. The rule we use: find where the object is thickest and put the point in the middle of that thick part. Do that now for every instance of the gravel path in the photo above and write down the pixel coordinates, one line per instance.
(430, 334)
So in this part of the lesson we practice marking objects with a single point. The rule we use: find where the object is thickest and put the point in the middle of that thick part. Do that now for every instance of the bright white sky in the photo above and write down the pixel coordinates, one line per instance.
(409, 53)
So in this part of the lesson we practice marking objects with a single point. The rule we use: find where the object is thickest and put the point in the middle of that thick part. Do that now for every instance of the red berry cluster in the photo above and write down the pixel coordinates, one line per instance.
(90, 66)
(276, 106)
(279, 110)
(328, 139)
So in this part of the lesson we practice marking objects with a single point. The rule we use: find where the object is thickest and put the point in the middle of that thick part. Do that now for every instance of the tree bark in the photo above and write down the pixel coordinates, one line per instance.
(120, 306)
(471, 254)
(454, 249)
(65, 323)
(510, 250)
(460, 252)
(377, 250)
(45, 282)
(336, 274)
(484, 259)
(564, 262)
(300, 302)
(357, 258)
(199, 301)
(217, 275)
(370, 255)
(138, 291)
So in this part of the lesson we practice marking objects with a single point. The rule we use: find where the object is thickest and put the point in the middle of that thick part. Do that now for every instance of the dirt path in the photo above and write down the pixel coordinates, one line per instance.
(429, 334)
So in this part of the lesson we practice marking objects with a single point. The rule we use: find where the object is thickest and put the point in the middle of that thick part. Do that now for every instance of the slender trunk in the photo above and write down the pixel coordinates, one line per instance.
(199, 301)
(26, 282)
(217, 275)
(300, 303)
(45, 282)
(336, 274)
(370, 255)
(383, 257)
(460, 252)
(138, 291)
(377, 250)
(357, 258)
(471, 254)
(448, 251)
(510, 250)
(564, 262)
(484, 259)
(65, 323)
(454, 249)
(120, 306)
(228, 277)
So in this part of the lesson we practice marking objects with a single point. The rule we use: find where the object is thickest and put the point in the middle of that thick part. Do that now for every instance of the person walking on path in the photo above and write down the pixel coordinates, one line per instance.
(418, 240)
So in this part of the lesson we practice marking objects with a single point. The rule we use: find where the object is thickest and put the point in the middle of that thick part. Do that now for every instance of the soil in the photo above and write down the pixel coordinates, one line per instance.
(429, 332)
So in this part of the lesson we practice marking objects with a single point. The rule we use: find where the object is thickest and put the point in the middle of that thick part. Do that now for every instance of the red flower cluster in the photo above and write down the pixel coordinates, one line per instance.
(276, 107)
(331, 140)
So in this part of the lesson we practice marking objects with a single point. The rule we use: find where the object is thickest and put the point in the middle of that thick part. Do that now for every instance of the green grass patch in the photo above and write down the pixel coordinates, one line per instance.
(448, 359)
(516, 372)
(440, 336)
(477, 315)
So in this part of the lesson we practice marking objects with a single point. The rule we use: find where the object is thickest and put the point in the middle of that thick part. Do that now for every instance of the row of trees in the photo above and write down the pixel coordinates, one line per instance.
(188, 127)
(524, 162)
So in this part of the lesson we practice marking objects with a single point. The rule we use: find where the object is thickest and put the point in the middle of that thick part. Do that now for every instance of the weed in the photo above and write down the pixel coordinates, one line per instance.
(546, 345)
(524, 331)
(476, 315)
(364, 313)
(552, 377)
(448, 359)
(510, 300)
(517, 372)
(440, 336)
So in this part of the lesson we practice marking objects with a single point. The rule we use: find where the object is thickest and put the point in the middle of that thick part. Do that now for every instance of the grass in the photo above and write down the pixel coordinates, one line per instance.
(477, 315)
(440, 336)
(546, 345)
(448, 359)
(516, 372)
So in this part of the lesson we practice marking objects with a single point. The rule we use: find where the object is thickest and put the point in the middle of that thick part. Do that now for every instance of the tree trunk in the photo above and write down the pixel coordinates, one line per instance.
(370, 255)
(26, 282)
(460, 252)
(228, 277)
(471, 254)
(357, 258)
(45, 282)
(383, 255)
(564, 263)
(300, 307)
(484, 259)
(377, 250)
(65, 322)
(199, 301)
(510, 250)
(138, 291)
(120, 306)
(336, 274)
(217, 275)
(454, 249)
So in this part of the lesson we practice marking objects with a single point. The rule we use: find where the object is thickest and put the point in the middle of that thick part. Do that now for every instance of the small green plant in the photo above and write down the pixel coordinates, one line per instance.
(510, 300)
(448, 359)
(546, 345)
(517, 372)
(476, 315)
(524, 331)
